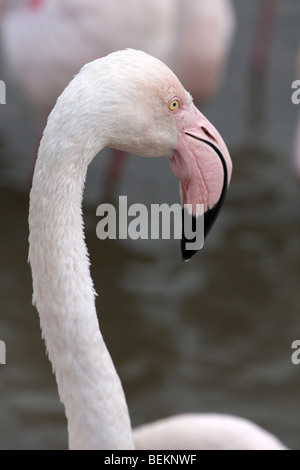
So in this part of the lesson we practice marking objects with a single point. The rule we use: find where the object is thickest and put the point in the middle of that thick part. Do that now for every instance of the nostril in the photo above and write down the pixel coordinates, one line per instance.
(206, 132)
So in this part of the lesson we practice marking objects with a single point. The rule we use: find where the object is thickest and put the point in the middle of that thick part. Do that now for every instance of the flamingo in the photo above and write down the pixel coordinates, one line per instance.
(45, 42)
(201, 45)
(130, 101)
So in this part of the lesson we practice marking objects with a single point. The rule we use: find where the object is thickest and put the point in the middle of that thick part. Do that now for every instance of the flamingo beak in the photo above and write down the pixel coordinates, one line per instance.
(202, 164)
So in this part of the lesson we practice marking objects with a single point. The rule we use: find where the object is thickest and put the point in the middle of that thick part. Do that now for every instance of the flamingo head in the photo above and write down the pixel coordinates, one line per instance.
(142, 108)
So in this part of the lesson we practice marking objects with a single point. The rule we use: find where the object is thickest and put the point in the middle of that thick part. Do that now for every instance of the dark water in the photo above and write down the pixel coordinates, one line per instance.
(211, 335)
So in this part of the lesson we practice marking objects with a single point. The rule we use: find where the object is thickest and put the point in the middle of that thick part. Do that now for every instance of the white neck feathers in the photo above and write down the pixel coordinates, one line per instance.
(88, 384)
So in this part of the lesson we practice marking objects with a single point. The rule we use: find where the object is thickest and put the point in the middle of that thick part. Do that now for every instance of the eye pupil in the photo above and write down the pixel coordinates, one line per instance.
(174, 104)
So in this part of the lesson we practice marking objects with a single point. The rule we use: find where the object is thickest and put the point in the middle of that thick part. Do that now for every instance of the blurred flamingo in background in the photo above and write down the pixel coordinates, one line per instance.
(201, 44)
(46, 42)
(259, 65)
(262, 41)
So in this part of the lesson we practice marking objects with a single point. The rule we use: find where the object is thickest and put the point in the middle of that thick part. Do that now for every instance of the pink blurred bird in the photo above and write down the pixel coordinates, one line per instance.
(46, 42)
(201, 45)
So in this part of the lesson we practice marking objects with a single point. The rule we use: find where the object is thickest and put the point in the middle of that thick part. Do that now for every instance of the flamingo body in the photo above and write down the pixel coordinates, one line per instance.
(204, 432)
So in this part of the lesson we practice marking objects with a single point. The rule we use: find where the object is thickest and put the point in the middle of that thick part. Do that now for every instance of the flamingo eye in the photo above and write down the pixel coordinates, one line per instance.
(174, 104)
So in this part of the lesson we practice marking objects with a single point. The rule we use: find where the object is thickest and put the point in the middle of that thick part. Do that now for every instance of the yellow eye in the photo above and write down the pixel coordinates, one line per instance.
(174, 104)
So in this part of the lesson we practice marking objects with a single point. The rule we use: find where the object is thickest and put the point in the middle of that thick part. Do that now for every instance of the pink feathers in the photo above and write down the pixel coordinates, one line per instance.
(35, 5)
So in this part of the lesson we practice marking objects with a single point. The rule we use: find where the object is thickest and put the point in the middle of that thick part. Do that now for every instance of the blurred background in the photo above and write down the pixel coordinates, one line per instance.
(213, 334)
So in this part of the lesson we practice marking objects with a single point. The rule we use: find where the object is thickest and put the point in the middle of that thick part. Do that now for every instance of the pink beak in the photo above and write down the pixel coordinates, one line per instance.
(202, 164)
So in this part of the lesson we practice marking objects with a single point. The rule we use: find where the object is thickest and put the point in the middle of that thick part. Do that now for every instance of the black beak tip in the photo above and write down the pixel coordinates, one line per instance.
(186, 257)
(210, 217)
(188, 254)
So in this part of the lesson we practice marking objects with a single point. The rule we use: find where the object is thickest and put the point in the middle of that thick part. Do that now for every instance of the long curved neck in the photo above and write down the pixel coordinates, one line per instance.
(88, 384)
